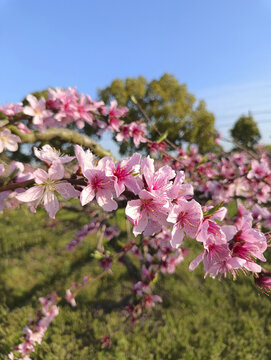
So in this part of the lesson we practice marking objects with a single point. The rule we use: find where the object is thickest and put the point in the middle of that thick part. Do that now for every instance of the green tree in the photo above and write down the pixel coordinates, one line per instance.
(245, 131)
(170, 108)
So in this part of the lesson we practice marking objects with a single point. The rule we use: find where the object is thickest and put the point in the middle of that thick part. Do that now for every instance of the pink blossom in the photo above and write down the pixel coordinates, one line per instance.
(20, 171)
(49, 155)
(211, 232)
(262, 192)
(170, 260)
(82, 112)
(23, 128)
(106, 341)
(124, 133)
(33, 336)
(46, 186)
(180, 191)
(241, 187)
(246, 243)
(69, 297)
(140, 288)
(65, 101)
(150, 300)
(219, 190)
(8, 141)
(157, 181)
(211, 255)
(106, 262)
(124, 174)
(259, 212)
(263, 282)
(138, 132)
(258, 170)
(85, 159)
(99, 186)
(186, 217)
(147, 214)
(37, 110)
(239, 158)
(25, 348)
(80, 235)
(217, 260)
(156, 147)
(12, 109)
(114, 113)
(111, 232)
(3, 197)
(226, 266)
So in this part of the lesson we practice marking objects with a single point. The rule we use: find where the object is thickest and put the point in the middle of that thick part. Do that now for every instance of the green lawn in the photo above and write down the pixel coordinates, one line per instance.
(199, 319)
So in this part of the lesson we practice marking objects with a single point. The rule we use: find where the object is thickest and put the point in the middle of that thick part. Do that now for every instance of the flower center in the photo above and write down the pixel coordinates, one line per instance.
(49, 185)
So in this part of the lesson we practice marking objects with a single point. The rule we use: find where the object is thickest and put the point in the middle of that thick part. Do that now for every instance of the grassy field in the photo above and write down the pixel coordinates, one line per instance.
(198, 319)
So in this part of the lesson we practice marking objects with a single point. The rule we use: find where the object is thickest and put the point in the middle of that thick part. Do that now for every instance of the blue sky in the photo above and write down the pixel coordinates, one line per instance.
(220, 48)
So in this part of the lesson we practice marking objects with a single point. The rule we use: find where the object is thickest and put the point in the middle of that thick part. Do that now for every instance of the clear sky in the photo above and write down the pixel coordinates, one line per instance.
(220, 48)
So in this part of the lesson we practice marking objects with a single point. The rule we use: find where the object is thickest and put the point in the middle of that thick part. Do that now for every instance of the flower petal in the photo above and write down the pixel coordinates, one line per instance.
(31, 194)
(66, 190)
(87, 195)
(50, 203)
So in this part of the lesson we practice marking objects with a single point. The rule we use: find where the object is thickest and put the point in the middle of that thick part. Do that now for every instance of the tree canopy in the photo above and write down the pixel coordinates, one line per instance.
(245, 131)
(170, 107)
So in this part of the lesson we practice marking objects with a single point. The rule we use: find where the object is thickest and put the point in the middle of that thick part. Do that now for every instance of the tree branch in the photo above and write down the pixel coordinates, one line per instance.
(64, 134)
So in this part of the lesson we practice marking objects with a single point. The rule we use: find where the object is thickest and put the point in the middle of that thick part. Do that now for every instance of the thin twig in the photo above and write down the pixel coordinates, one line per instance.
(100, 247)
(146, 116)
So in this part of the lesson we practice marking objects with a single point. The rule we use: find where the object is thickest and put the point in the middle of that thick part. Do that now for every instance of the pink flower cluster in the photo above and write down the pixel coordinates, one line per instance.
(135, 130)
(66, 106)
(109, 233)
(34, 333)
(227, 177)
(156, 200)
(229, 248)
(11, 109)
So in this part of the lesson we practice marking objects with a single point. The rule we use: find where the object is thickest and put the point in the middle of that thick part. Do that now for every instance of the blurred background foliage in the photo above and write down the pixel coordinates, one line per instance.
(198, 319)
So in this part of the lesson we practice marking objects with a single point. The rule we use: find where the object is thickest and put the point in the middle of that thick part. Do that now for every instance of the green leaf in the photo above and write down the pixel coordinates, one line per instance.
(215, 209)
(3, 115)
(97, 255)
(163, 137)
(3, 122)
(204, 159)
(11, 176)
(232, 209)
(133, 99)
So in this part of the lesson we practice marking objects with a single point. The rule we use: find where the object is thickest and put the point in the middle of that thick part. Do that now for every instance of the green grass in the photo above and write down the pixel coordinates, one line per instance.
(199, 319)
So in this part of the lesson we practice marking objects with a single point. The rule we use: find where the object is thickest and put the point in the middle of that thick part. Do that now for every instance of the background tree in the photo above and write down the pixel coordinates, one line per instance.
(245, 131)
(169, 106)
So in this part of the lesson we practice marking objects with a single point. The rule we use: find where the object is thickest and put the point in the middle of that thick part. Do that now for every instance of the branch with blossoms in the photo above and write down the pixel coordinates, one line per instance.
(178, 197)
(42, 120)
(160, 200)
(37, 327)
